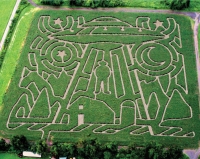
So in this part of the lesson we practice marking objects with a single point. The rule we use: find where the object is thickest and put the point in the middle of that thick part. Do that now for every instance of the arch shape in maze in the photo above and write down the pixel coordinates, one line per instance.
(104, 73)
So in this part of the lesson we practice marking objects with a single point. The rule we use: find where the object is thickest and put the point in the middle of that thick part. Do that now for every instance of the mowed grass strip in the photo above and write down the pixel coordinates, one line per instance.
(6, 8)
(14, 156)
(14, 50)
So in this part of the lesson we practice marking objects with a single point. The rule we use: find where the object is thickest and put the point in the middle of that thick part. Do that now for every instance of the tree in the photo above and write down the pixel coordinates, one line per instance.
(57, 2)
(89, 148)
(40, 147)
(3, 145)
(97, 3)
(63, 149)
(175, 152)
(122, 153)
(52, 2)
(135, 152)
(55, 149)
(69, 150)
(19, 143)
(177, 4)
(154, 150)
(110, 150)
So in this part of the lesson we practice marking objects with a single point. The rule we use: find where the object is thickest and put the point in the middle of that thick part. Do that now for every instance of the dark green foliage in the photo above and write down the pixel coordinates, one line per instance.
(89, 148)
(93, 149)
(52, 2)
(40, 147)
(154, 150)
(97, 3)
(63, 149)
(110, 150)
(177, 4)
(174, 152)
(19, 143)
(3, 145)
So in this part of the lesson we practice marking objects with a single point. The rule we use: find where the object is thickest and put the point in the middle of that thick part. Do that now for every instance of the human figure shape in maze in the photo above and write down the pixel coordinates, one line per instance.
(102, 73)
(141, 86)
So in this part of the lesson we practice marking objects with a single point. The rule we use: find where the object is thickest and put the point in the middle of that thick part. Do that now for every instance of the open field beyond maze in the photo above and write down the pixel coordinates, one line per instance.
(6, 8)
(124, 77)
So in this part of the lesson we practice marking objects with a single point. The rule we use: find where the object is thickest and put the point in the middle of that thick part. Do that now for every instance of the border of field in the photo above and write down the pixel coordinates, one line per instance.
(14, 50)
(6, 30)
(7, 16)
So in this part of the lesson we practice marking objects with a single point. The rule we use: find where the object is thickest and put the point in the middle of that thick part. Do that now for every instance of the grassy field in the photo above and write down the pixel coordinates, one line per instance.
(15, 49)
(6, 8)
(13, 156)
(123, 77)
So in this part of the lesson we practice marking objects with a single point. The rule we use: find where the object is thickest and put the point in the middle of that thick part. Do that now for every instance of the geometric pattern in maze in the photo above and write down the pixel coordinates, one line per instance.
(101, 72)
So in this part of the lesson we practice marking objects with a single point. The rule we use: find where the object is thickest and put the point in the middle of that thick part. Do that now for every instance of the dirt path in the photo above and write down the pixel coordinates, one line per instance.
(192, 154)
(9, 24)
(197, 20)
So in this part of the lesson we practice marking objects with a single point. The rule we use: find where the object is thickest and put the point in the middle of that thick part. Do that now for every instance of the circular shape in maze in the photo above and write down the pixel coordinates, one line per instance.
(154, 58)
(61, 54)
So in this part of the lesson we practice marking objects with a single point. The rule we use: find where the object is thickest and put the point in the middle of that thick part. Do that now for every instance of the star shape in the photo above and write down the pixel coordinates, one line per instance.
(61, 54)
(158, 23)
(58, 21)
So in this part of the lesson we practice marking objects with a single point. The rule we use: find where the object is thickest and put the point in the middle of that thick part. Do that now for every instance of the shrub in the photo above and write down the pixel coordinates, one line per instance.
(52, 2)
(177, 4)
(97, 3)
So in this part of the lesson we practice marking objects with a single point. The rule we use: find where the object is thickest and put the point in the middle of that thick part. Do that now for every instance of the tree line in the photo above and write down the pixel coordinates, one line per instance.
(172, 4)
(52, 2)
(97, 3)
(93, 149)
(177, 4)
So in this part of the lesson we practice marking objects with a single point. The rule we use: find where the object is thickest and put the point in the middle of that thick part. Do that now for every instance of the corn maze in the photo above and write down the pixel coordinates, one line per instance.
(104, 75)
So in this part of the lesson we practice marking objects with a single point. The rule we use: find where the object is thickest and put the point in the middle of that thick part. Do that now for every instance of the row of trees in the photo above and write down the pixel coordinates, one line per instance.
(177, 4)
(97, 3)
(52, 2)
(93, 149)
(172, 4)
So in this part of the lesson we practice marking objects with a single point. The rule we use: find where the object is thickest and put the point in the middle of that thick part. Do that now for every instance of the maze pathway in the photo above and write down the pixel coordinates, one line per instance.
(104, 74)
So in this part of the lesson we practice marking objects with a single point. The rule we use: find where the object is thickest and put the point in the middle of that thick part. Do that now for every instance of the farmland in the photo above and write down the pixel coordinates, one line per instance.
(127, 77)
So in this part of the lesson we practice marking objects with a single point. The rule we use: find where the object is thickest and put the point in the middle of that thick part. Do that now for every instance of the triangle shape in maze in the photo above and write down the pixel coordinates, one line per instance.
(153, 106)
(41, 107)
(181, 80)
(177, 108)
(164, 82)
(177, 38)
(83, 48)
(130, 47)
